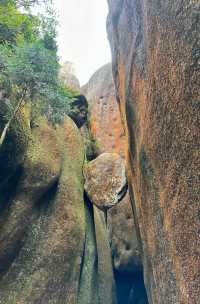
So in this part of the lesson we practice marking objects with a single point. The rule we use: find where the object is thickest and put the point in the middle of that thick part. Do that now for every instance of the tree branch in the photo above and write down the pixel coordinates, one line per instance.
(7, 126)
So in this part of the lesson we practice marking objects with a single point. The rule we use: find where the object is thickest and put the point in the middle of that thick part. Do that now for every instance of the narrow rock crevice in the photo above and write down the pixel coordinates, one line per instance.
(130, 288)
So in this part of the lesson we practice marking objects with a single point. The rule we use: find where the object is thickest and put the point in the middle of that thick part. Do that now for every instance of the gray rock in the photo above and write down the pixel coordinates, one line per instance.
(105, 180)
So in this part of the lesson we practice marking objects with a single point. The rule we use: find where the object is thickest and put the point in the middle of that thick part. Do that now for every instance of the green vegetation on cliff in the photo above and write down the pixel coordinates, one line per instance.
(29, 64)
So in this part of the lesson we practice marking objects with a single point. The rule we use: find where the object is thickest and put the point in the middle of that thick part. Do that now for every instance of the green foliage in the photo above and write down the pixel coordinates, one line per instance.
(29, 3)
(31, 67)
(15, 26)
(48, 28)
(58, 104)
(28, 61)
(32, 70)
(92, 146)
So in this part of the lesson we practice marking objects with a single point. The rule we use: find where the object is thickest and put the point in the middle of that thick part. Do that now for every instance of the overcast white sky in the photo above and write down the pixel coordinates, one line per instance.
(82, 37)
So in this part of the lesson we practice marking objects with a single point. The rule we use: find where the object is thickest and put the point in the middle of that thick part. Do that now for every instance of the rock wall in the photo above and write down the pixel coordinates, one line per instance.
(42, 221)
(155, 57)
(67, 75)
(53, 243)
(105, 120)
(106, 128)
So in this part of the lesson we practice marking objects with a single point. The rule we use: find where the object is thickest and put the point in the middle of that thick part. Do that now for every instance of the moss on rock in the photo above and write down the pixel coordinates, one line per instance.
(46, 267)
(51, 243)
(13, 150)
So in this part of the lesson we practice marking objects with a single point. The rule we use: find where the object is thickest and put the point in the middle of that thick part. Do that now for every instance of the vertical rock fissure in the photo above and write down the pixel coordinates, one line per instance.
(88, 283)
(120, 223)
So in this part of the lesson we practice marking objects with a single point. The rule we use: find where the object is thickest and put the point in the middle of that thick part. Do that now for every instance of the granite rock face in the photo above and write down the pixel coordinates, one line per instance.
(106, 128)
(155, 57)
(105, 121)
(67, 75)
(50, 251)
(123, 238)
(43, 220)
(105, 180)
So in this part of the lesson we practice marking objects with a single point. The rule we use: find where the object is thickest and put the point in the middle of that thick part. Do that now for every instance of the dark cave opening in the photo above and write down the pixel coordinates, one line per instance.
(130, 288)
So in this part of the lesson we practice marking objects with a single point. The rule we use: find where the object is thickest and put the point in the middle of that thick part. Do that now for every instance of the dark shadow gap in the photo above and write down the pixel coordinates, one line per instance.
(130, 288)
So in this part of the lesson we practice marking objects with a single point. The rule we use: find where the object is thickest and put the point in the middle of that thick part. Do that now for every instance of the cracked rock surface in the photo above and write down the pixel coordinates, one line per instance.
(105, 180)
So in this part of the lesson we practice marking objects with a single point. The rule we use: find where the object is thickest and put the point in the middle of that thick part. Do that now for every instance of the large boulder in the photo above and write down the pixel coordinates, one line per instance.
(47, 228)
(107, 130)
(155, 55)
(105, 180)
(43, 221)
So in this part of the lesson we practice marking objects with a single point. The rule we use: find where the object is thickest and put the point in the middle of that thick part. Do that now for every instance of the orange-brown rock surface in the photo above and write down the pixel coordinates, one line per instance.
(105, 120)
(155, 56)
(107, 129)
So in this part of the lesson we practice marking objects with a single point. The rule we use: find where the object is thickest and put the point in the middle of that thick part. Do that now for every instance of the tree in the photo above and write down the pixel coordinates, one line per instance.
(32, 73)
(29, 3)
(16, 26)
(29, 63)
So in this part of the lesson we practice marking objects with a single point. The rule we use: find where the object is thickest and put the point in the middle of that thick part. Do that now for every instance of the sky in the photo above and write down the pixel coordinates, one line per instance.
(82, 37)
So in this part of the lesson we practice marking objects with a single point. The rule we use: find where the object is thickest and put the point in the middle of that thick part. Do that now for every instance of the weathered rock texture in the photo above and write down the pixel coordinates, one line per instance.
(105, 120)
(105, 180)
(46, 227)
(124, 243)
(155, 57)
(107, 130)
(96, 278)
(67, 75)
(43, 221)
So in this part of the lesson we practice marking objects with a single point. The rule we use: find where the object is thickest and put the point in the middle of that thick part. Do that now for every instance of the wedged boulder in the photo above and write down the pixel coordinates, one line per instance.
(108, 134)
(105, 180)
(155, 57)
